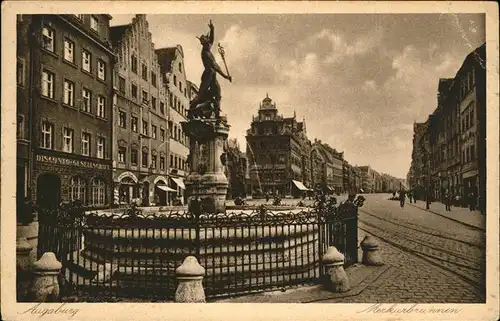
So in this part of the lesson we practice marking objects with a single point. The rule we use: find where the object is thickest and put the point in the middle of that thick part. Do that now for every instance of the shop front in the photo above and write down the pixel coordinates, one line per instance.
(126, 188)
(177, 184)
(162, 192)
(61, 177)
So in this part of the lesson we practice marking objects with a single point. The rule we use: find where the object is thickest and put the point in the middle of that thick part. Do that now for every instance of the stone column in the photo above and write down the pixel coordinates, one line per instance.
(24, 263)
(371, 255)
(44, 286)
(206, 180)
(190, 276)
(335, 279)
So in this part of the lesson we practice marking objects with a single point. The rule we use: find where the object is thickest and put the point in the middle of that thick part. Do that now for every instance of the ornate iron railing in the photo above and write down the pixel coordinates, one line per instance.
(135, 253)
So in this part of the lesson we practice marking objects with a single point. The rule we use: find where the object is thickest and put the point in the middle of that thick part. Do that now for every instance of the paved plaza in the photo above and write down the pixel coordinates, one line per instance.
(428, 258)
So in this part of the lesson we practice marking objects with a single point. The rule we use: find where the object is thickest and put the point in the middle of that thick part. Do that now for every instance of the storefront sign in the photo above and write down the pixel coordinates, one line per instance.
(70, 162)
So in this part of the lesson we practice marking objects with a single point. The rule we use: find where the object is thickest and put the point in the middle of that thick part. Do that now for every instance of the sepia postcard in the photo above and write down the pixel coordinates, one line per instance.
(249, 160)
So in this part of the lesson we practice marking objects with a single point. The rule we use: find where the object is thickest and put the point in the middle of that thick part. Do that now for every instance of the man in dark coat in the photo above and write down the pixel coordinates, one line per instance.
(402, 196)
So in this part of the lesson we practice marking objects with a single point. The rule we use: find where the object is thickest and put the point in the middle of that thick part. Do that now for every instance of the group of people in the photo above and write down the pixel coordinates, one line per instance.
(448, 199)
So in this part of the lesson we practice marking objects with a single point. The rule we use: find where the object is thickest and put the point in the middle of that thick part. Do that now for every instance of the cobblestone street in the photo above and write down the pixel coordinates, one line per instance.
(435, 259)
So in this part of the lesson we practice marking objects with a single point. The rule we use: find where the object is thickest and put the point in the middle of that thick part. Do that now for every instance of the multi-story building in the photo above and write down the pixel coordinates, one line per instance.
(367, 179)
(179, 89)
(140, 133)
(70, 95)
(416, 176)
(25, 33)
(327, 167)
(278, 153)
(449, 152)
(471, 98)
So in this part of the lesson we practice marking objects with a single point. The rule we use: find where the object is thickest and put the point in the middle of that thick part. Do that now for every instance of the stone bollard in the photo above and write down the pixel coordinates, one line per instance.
(44, 286)
(190, 276)
(336, 279)
(23, 266)
(371, 255)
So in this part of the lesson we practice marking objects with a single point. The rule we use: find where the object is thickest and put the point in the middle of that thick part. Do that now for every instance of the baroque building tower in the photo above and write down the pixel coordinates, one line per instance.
(278, 152)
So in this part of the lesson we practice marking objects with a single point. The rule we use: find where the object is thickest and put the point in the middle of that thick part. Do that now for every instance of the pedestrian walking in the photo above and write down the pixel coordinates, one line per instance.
(410, 196)
(267, 196)
(472, 202)
(402, 197)
(447, 201)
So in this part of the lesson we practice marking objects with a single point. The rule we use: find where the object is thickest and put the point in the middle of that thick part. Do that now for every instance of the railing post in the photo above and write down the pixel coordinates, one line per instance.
(196, 207)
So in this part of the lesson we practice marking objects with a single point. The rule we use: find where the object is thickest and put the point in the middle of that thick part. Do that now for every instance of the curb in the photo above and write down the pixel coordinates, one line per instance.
(452, 219)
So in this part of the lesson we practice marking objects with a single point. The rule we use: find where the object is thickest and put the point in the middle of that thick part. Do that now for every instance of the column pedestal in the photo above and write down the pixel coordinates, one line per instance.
(206, 181)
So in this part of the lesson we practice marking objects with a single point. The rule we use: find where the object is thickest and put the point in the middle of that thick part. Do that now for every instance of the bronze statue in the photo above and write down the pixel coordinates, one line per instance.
(209, 96)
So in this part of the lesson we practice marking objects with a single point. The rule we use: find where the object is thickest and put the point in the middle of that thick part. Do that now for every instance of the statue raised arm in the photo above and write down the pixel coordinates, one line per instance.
(209, 92)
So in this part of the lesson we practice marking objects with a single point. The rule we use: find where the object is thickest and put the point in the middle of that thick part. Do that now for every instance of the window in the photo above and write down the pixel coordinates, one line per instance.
(122, 151)
(77, 189)
(20, 72)
(47, 135)
(69, 50)
(471, 115)
(86, 100)
(101, 70)
(98, 192)
(94, 24)
(68, 140)
(144, 96)
(134, 91)
(162, 134)
(180, 67)
(20, 126)
(100, 147)
(175, 162)
(170, 129)
(48, 39)
(144, 127)
(122, 119)
(180, 86)
(153, 78)
(86, 61)
(153, 102)
(144, 72)
(153, 131)
(133, 157)
(144, 159)
(153, 161)
(121, 85)
(162, 107)
(175, 80)
(79, 16)
(101, 106)
(472, 152)
(162, 163)
(48, 84)
(69, 93)
(134, 124)
(86, 144)
(171, 160)
(134, 63)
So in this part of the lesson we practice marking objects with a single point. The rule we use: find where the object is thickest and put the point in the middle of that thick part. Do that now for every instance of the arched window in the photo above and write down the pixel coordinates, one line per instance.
(98, 196)
(77, 189)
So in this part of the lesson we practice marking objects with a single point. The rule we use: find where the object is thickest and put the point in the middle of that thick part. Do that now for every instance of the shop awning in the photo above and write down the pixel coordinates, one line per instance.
(362, 190)
(166, 188)
(300, 186)
(179, 182)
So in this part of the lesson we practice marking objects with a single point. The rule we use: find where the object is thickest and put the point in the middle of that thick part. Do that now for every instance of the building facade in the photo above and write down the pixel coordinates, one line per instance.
(179, 89)
(140, 133)
(25, 33)
(70, 116)
(327, 167)
(449, 150)
(278, 153)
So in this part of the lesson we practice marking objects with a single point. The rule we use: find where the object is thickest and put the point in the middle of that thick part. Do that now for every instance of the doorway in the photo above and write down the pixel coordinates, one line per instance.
(48, 191)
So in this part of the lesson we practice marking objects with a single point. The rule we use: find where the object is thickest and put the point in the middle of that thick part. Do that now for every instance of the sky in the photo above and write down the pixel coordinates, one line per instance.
(360, 81)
